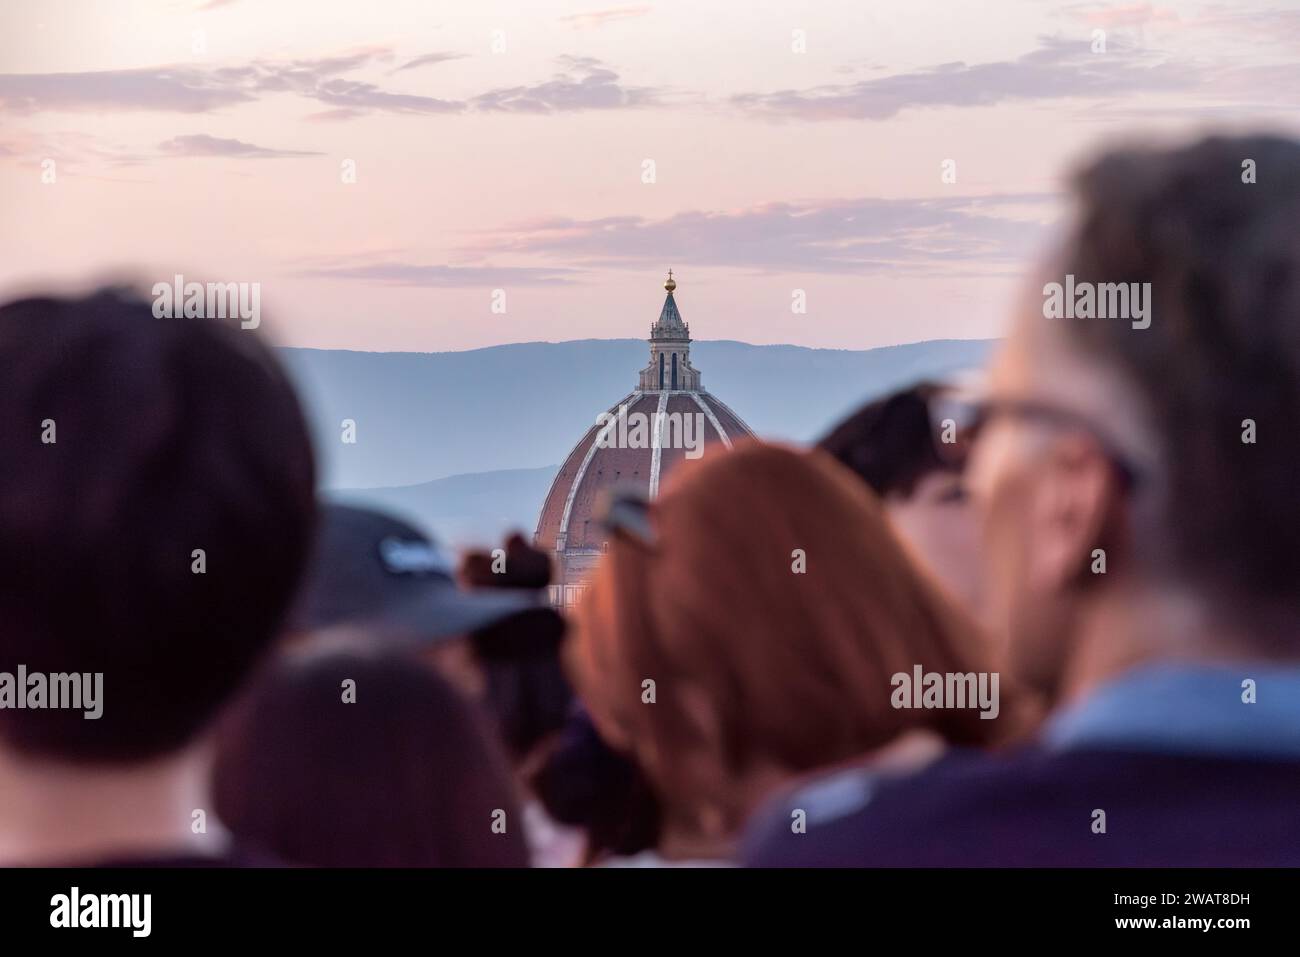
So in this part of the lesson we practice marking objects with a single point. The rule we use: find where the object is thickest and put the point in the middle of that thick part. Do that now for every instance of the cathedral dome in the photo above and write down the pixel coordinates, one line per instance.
(667, 418)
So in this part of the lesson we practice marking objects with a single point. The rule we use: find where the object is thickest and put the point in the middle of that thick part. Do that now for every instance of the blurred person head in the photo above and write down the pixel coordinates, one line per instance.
(365, 759)
(1137, 478)
(890, 444)
(584, 783)
(378, 574)
(524, 685)
(770, 604)
(376, 578)
(156, 510)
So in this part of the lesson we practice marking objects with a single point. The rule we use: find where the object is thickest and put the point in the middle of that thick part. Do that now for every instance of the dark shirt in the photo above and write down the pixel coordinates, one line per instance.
(1186, 772)
(234, 856)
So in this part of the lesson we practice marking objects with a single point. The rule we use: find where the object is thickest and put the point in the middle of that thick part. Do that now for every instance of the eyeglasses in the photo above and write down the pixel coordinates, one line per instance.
(956, 423)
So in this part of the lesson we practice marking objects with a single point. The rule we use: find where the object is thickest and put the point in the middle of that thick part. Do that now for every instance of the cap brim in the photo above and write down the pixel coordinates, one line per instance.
(445, 611)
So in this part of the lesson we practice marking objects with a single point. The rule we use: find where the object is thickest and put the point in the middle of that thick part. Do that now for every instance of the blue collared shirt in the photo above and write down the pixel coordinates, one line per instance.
(1188, 709)
(1165, 708)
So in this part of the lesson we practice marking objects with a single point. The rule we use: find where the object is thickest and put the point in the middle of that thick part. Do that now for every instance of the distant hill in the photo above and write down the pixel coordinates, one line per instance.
(480, 508)
(427, 416)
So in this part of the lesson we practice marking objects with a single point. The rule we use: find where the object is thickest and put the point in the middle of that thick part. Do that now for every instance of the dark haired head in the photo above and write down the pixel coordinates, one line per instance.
(156, 508)
(523, 567)
(525, 688)
(889, 442)
(585, 783)
(401, 775)
(1223, 346)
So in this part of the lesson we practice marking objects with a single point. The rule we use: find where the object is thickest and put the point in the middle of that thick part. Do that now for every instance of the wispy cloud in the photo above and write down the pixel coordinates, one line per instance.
(191, 89)
(170, 89)
(77, 151)
(72, 150)
(830, 236)
(428, 59)
(352, 94)
(394, 273)
(598, 18)
(340, 115)
(1058, 69)
(200, 144)
(584, 84)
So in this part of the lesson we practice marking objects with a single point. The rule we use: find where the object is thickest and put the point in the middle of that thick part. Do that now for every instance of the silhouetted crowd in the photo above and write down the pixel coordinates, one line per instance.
(1048, 615)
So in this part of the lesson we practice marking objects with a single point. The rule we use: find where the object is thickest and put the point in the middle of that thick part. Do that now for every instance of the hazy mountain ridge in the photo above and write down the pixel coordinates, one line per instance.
(426, 416)
(467, 443)
(479, 508)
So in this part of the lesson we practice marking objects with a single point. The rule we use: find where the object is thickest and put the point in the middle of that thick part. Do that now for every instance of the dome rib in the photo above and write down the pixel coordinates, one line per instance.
(563, 532)
(730, 414)
(713, 419)
(656, 444)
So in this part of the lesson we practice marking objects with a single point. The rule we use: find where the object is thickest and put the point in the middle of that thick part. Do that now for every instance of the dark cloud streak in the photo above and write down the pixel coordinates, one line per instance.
(833, 236)
(584, 84)
(442, 276)
(188, 89)
(200, 144)
(429, 59)
(1058, 69)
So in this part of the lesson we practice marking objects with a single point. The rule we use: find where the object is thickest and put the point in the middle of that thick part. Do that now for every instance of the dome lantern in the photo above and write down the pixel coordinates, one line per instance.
(670, 367)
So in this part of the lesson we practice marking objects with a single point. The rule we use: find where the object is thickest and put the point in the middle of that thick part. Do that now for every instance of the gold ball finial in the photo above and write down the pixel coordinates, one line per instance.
(670, 284)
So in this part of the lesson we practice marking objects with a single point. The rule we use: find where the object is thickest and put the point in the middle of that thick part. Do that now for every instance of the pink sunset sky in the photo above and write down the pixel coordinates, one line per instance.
(502, 146)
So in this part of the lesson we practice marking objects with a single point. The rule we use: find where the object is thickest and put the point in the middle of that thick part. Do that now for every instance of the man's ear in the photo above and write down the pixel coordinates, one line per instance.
(1070, 505)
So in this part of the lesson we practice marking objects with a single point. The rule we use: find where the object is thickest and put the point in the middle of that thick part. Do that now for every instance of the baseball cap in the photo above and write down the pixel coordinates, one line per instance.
(370, 567)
